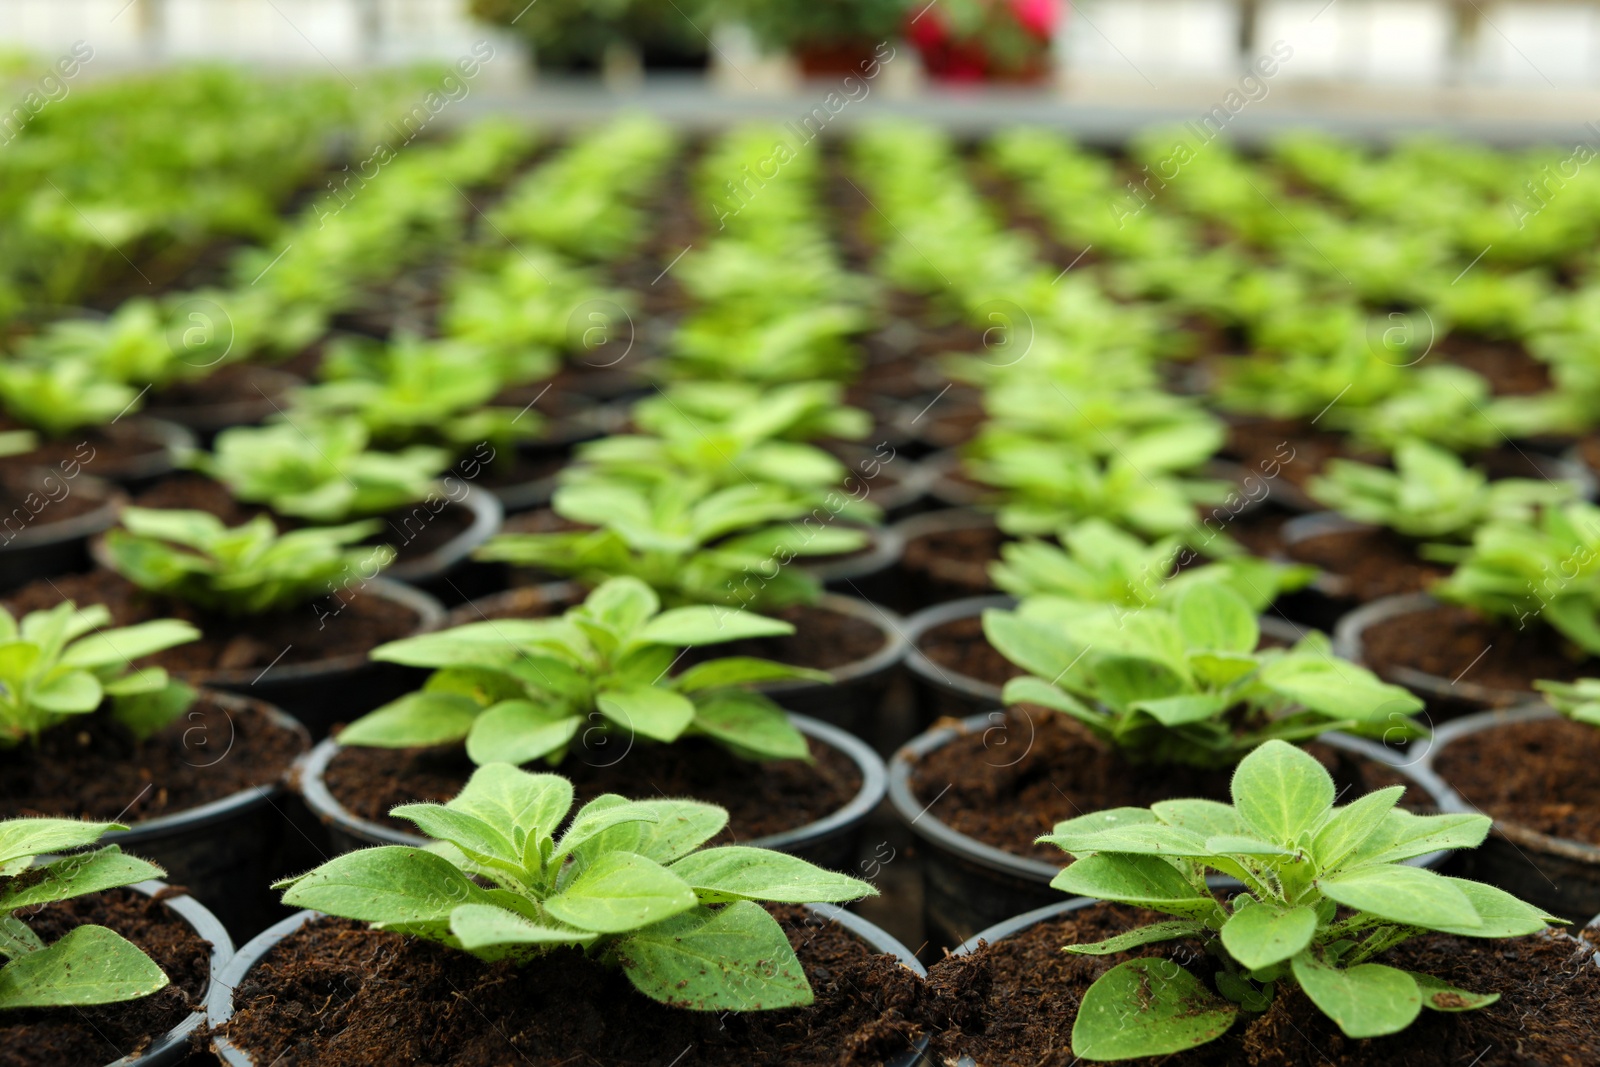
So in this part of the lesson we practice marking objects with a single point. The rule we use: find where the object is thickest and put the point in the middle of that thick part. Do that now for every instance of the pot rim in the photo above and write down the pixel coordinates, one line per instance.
(1348, 644)
(874, 784)
(1455, 802)
(79, 527)
(487, 517)
(169, 1046)
(273, 383)
(884, 546)
(188, 820)
(220, 1007)
(916, 816)
(430, 615)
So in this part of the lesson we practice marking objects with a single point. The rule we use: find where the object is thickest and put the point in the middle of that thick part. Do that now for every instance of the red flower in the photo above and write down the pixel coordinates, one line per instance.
(1038, 17)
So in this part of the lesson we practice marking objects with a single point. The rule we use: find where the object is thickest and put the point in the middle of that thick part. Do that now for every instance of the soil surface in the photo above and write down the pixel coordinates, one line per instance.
(58, 1037)
(1540, 775)
(1372, 562)
(337, 995)
(1012, 1004)
(350, 624)
(959, 646)
(414, 531)
(762, 798)
(953, 563)
(245, 384)
(822, 639)
(92, 768)
(1448, 641)
(1259, 530)
(1299, 450)
(1007, 784)
(1507, 366)
(107, 452)
(39, 498)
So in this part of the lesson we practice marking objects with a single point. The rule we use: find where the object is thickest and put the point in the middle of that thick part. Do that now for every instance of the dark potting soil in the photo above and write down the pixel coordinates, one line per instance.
(959, 646)
(40, 498)
(93, 768)
(107, 452)
(1448, 640)
(244, 384)
(1540, 775)
(1298, 449)
(524, 602)
(350, 624)
(1013, 1003)
(1371, 562)
(1259, 530)
(822, 639)
(414, 531)
(956, 558)
(979, 785)
(58, 1037)
(524, 467)
(1507, 366)
(334, 994)
(762, 798)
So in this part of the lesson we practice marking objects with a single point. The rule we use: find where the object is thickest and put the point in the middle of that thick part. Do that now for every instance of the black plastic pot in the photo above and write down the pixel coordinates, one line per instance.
(432, 571)
(172, 1047)
(134, 465)
(271, 388)
(523, 602)
(220, 1007)
(1560, 875)
(1327, 599)
(861, 569)
(898, 494)
(32, 546)
(968, 885)
(1446, 698)
(341, 688)
(945, 487)
(223, 852)
(830, 841)
(942, 692)
(561, 434)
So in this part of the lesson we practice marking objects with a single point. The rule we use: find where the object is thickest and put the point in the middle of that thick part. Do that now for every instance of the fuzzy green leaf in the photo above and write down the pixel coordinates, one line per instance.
(1368, 1000)
(733, 959)
(620, 892)
(1174, 1012)
(736, 872)
(87, 965)
(1259, 935)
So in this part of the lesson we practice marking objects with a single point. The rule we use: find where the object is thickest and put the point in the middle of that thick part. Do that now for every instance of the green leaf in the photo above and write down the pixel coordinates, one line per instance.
(514, 801)
(1368, 1000)
(390, 884)
(76, 876)
(416, 720)
(753, 725)
(1041, 648)
(707, 625)
(121, 647)
(1143, 881)
(1170, 930)
(623, 604)
(1440, 996)
(1402, 836)
(738, 872)
(469, 833)
(1499, 913)
(1259, 935)
(743, 670)
(518, 731)
(74, 693)
(1401, 894)
(87, 965)
(1208, 818)
(600, 815)
(620, 892)
(1148, 1007)
(1338, 689)
(1212, 616)
(1281, 792)
(735, 958)
(647, 710)
(482, 926)
(1350, 826)
(1148, 838)
(1040, 692)
(35, 837)
(146, 714)
(1185, 709)
(679, 827)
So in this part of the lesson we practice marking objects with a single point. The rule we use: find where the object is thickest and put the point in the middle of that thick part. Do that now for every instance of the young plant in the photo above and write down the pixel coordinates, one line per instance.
(1431, 493)
(1097, 563)
(131, 347)
(59, 397)
(1546, 569)
(689, 543)
(627, 882)
(1445, 405)
(88, 964)
(250, 569)
(320, 471)
(53, 667)
(1185, 683)
(1326, 893)
(520, 689)
(1578, 701)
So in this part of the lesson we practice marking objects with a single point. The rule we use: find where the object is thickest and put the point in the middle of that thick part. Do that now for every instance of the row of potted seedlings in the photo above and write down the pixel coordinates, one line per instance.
(1134, 661)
